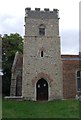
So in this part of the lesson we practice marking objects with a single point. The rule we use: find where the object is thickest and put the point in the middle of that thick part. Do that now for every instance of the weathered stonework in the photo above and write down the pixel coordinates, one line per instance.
(48, 67)
(16, 78)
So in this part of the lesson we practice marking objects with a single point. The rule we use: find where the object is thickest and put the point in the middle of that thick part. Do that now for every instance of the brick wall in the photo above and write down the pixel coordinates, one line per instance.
(70, 67)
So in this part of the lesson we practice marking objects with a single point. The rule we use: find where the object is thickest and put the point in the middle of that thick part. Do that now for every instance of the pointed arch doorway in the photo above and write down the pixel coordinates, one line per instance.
(42, 90)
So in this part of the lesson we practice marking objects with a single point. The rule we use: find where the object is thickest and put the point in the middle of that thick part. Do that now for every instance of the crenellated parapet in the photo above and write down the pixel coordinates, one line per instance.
(38, 13)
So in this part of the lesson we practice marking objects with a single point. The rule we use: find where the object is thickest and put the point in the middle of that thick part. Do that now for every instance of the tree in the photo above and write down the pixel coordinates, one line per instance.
(10, 45)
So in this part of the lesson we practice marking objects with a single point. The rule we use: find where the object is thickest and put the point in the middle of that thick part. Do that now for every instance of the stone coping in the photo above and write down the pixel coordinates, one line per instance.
(13, 97)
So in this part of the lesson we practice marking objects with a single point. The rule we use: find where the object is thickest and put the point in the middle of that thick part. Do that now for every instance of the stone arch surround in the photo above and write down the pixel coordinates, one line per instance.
(42, 75)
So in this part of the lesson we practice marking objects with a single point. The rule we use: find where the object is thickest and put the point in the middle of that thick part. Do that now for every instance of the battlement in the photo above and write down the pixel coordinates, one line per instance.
(38, 9)
(44, 14)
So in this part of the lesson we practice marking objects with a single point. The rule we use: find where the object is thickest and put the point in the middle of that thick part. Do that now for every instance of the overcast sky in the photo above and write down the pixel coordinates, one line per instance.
(12, 14)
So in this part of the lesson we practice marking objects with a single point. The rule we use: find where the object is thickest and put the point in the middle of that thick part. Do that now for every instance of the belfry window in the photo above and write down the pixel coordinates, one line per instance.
(42, 30)
(79, 80)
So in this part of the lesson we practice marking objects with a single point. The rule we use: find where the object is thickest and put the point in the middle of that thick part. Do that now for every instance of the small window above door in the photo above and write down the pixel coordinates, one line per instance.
(42, 53)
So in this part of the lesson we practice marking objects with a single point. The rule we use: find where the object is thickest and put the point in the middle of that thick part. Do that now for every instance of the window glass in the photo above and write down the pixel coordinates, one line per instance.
(78, 80)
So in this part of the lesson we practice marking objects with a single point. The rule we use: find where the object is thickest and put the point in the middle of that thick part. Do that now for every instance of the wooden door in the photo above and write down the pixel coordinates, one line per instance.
(42, 89)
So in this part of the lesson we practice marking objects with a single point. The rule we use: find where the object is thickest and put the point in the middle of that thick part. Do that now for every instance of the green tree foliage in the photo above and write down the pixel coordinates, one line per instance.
(10, 44)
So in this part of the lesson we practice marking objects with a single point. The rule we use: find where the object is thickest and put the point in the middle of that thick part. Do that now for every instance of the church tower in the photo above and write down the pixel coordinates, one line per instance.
(42, 65)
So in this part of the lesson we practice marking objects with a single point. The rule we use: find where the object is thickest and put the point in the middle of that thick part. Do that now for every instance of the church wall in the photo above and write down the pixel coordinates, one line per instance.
(70, 68)
(33, 64)
(48, 66)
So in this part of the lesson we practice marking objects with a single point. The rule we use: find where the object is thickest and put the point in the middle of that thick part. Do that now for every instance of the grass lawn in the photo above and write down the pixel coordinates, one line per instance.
(51, 109)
